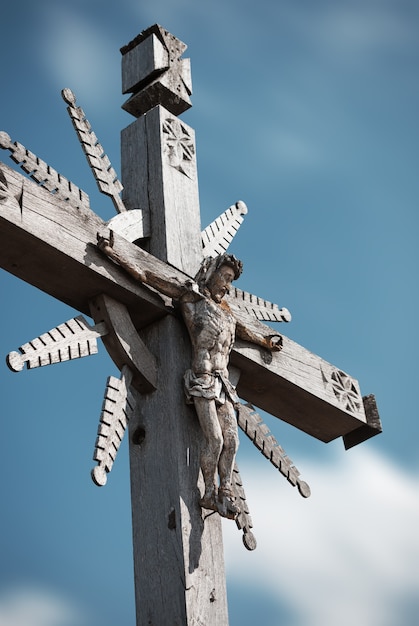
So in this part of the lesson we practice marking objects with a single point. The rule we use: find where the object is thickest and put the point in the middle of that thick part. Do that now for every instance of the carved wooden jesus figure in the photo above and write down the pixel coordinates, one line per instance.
(212, 329)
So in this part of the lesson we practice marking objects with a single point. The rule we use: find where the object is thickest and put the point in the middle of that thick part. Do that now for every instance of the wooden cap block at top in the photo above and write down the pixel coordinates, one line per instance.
(144, 62)
(154, 73)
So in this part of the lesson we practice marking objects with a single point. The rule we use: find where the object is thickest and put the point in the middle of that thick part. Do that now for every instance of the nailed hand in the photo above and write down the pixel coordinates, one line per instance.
(274, 342)
(105, 242)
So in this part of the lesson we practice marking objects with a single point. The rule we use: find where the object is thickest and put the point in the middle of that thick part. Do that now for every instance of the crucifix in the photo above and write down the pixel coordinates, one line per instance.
(194, 353)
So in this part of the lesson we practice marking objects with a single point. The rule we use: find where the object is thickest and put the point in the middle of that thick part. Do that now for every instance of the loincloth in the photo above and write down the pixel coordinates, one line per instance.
(214, 386)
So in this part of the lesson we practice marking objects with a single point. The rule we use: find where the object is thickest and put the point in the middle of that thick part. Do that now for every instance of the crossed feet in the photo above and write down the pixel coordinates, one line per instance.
(221, 502)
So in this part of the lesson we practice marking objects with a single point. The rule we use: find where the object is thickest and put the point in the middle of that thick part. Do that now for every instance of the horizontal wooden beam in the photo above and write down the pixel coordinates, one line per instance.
(50, 244)
(298, 387)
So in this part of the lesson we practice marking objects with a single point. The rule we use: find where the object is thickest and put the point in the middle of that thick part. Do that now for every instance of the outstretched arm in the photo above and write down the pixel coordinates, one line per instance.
(171, 286)
(271, 342)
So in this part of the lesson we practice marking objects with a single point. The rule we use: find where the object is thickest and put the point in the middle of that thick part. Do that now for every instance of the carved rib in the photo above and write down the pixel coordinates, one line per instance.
(258, 432)
(105, 176)
(262, 310)
(243, 520)
(46, 177)
(117, 408)
(72, 340)
(219, 234)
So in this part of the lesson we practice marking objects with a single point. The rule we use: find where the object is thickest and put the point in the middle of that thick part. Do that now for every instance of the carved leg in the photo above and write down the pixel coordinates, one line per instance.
(208, 419)
(228, 422)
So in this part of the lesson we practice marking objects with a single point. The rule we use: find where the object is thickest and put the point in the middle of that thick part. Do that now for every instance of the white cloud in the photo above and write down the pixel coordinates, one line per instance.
(79, 55)
(36, 607)
(347, 555)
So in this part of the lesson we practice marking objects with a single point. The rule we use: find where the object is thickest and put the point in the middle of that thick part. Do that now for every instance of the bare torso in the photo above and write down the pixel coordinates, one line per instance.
(211, 328)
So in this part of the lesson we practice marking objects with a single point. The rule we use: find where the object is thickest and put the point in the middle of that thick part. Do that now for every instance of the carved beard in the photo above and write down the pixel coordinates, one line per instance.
(218, 297)
(217, 291)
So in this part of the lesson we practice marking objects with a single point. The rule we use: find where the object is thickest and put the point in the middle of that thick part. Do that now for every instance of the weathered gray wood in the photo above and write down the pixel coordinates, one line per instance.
(118, 407)
(242, 301)
(123, 342)
(243, 520)
(297, 386)
(172, 540)
(169, 86)
(98, 160)
(293, 384)
(72, 340)
(178, 553)
(165, 177)
(370, 429)
(131, 225)
(144, 61)
(218, 235)
(43, 173)
(258, 432)
(52, 245)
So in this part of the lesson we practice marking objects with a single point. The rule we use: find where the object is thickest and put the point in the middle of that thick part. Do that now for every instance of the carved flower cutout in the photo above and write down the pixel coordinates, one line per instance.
(345, 390)
(180, 146)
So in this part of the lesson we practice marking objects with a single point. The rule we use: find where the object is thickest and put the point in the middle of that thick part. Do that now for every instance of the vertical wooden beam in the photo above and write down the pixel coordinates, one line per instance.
(178, 551)
(160, 176)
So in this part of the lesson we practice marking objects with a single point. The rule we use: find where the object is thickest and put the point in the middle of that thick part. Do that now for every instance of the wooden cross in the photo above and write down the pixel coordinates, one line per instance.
(48, 237)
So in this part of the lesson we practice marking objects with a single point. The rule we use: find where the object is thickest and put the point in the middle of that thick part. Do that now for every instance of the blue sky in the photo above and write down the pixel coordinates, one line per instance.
(307, 111)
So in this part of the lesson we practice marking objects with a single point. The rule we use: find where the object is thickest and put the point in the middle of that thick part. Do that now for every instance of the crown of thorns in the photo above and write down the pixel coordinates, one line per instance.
(209, 266)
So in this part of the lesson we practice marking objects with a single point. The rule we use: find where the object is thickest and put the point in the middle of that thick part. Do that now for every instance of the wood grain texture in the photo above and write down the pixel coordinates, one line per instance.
(243, 521)
(131, 225)
(99, 162)
(118, 407)
(156, 74)
(370, 429)
(256, 307)
(291, 387)
(52, 245)
(294, 384)
(258, 432)
(178, 553)
(72, 340)
(178, 550)
(123, 342)
(144, 61)
(43, 174)
(218, 235)
(164, 182)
